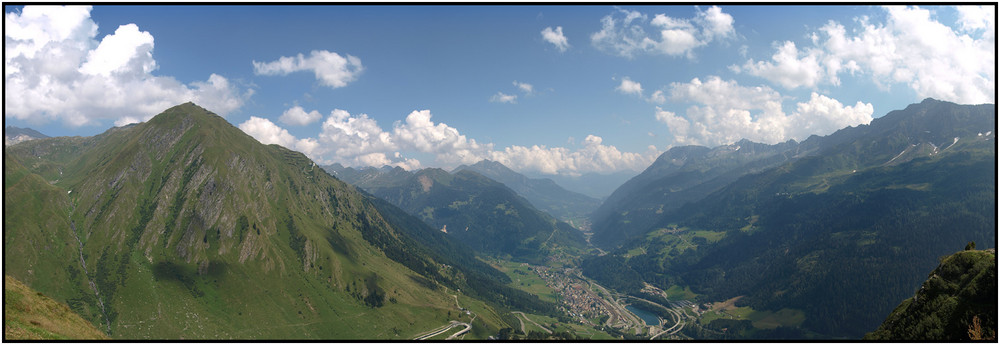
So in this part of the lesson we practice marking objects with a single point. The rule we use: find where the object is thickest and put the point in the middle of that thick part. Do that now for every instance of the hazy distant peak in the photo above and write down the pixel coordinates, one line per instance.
(13, 135)
(486, 165)
(18, 130)
(490, 163)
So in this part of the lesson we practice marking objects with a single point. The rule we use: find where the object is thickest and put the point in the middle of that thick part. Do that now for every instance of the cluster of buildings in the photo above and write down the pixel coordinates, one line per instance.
(580, 301)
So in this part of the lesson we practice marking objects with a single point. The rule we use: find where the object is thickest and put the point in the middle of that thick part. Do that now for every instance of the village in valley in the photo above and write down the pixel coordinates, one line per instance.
(592, 305)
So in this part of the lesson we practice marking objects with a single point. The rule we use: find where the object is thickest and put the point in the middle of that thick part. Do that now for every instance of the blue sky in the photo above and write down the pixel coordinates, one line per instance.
(561, 90)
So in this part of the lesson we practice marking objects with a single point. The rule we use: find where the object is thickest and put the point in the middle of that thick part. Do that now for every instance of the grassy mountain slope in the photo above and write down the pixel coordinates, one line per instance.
(960, 290)
(189, 228)
(544, 194)
(479, 212)
(30, 315)
(39, 246)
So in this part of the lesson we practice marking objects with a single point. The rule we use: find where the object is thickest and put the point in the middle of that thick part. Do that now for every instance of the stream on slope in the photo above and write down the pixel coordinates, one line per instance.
(93, 286)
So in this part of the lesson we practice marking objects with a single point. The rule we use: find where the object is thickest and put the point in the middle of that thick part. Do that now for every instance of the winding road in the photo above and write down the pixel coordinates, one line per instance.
(454, 323)
(679, 316)
(445, 328)
(463, 331)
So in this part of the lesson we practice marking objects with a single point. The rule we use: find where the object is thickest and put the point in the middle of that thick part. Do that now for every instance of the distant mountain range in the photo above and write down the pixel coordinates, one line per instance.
(186, 227)
(476, 210)
(870, 208)
(592, 184)
(543, 193)
(13, 135)
(690, 173)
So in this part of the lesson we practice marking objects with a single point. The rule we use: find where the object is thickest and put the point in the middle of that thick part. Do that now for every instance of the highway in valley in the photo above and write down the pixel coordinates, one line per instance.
(676, 311)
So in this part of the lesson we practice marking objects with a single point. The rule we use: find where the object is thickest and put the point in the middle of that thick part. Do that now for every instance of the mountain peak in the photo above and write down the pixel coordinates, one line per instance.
(933, 101)
(187, 111)
(437, 174)
(176, 121)
(492, 166)
(189, 104)
(489, 163)
(495, 169)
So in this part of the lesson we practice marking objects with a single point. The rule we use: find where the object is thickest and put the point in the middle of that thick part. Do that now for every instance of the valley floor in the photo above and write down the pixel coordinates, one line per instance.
(593, 306)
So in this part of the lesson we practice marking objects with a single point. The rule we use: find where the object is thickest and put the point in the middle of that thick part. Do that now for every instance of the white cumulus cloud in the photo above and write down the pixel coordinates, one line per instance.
(592, 157)
(358, 140)
(657, 97)
(972, 18)
(266, 132)
(127, 50)
(330, 68)
(57, 70)
(556, 37)
(345, 139)
(628, 86)
(419, 133)
(823, 115)
(299, 117)
(349, 137)
(620, 36)
(678, 36)
(788, 67)
(910, 48)
(670, 36)
(724, 112)
(715, 23)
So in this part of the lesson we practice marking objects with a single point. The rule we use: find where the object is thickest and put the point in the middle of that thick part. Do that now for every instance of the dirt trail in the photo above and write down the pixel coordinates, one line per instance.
(727, 305)
(532, 321)
(523, 331)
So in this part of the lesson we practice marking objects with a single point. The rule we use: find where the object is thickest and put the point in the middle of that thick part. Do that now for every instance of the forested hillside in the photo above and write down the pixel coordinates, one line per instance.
(681, 175)
(957, 302)
(870, 207)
